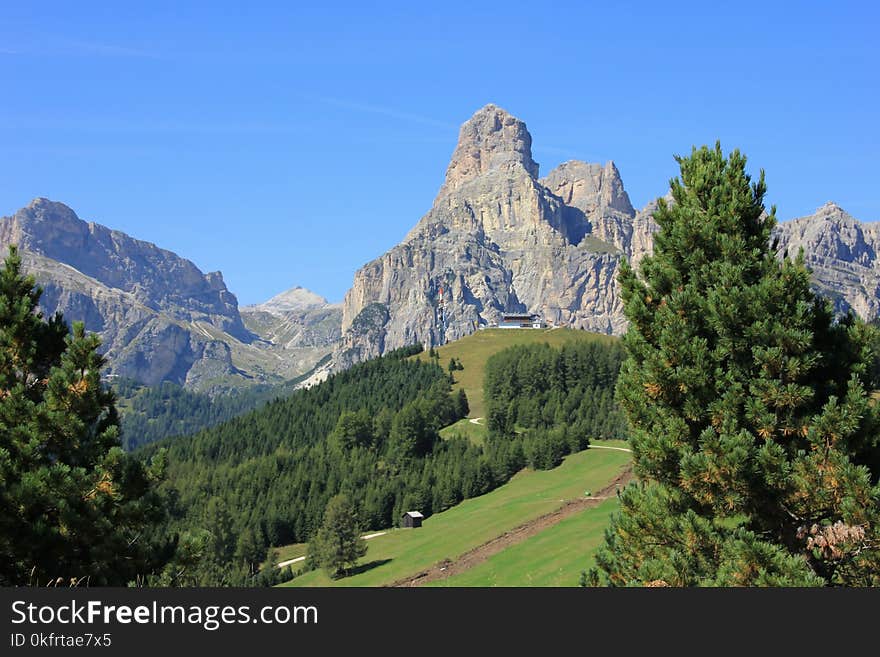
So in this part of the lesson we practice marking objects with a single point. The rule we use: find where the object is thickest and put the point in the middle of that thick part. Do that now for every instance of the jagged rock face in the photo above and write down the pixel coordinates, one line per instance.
(597, 206)
(138, 342)
(156, 278)
(496, 240)
(499, 239)
(643, 229)
(365, 337)
(589, 187)
(159, 317)
(493, 141)
(843, 254)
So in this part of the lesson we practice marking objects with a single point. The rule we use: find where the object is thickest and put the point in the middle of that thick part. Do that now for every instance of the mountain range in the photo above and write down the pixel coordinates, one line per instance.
(159, 316)
(498, 238)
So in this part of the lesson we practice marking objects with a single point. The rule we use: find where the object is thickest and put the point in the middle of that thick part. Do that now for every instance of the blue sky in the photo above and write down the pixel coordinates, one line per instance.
(287, 145)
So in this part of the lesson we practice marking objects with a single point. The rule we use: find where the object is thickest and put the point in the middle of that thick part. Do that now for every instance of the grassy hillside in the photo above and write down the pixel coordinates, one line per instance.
(273, 470)
(530, 494)
(474, 350)
(555, 557)
(292, 551)
(466, 428)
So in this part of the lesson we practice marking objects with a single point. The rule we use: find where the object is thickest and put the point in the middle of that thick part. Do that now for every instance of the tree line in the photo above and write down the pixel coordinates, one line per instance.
(265, 478)
(151, 413)
(545, 403)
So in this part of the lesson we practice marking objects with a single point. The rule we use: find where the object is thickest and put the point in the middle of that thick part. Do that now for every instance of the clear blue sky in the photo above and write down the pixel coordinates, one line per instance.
(287, 145)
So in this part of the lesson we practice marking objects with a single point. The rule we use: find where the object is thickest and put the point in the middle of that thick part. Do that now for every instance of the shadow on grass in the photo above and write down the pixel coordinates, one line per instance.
(364, 567)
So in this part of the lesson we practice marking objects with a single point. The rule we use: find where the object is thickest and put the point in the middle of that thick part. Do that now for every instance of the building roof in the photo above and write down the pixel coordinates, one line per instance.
(519, 316)
(413, 514)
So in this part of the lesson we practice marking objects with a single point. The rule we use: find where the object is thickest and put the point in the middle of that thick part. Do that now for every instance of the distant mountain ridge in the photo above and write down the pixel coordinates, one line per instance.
(294, 299)
(294, 319)
(159, 279)
(159, 316)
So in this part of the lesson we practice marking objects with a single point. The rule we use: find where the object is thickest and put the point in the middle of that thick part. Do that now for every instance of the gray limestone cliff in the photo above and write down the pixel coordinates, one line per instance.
(843, 255)
(496, 240)
(500, 239)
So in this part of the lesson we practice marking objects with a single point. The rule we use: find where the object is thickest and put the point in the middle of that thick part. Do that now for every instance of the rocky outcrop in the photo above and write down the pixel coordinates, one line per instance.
(597, 204)
(843, 255)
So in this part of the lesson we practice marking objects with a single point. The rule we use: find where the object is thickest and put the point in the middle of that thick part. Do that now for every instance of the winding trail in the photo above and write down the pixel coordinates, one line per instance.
(450, 567)
(366, 537)
(618, 449)
(285, 564)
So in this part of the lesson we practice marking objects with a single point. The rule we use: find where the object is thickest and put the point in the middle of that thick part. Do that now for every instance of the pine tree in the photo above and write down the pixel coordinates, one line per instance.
(73, 506)
(753, 435)
(462, 408)
(353, 429)
(411, 437)
(338, 545)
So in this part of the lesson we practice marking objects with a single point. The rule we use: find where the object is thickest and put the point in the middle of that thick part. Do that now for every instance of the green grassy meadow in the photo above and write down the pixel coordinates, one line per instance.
(474, 350)
(287, 552)
(446, 535)
(555, 557)
(476, 433)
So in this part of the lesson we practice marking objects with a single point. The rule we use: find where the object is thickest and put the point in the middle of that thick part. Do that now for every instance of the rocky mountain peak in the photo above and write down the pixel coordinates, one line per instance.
(833, 212)
(828, 220)
(830, 206)
(496, 240)
(589, 186)
(43, 219)
(41, 203)
(492, 139)
(292, 300)
(843, 254)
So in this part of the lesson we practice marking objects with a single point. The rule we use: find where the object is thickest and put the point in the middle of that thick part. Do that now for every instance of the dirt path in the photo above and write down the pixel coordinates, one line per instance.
(285, 564)
(448, 568)
(619, 449)
(367, 537)
(476, 420)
